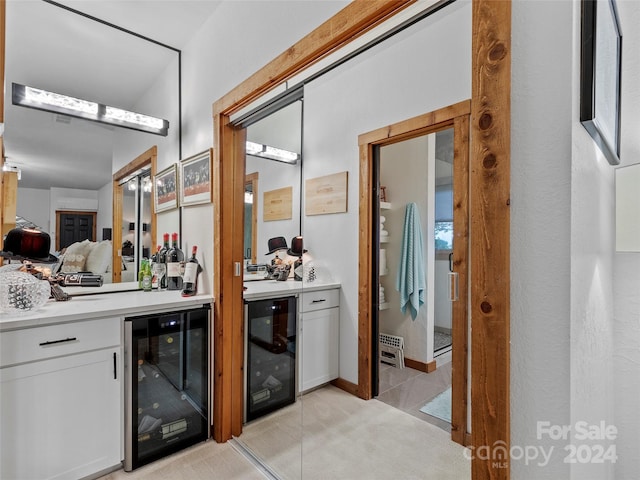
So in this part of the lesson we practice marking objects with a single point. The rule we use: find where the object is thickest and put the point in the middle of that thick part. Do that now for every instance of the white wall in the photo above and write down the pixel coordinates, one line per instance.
(31, 204)
(104, 219)
(238, 39)
(404, 171)
(340, 106)
(271, 176)
(626, 266)
(540, 226)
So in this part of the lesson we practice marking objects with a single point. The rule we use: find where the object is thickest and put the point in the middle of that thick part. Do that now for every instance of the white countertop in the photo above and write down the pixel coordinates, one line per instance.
(116, 303)
(270, 288)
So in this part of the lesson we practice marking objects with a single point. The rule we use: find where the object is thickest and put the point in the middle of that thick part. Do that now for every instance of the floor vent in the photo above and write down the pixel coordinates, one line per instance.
(392, 350)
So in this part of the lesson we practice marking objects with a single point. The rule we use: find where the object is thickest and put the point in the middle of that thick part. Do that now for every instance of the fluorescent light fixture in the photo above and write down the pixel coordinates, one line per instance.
(248, 197)
(254, 148)
(36, 96)
(272, 153)
(39, 99)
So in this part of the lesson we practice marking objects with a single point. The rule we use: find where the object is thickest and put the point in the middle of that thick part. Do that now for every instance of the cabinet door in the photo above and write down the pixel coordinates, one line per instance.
(320, 347)
(61, 418)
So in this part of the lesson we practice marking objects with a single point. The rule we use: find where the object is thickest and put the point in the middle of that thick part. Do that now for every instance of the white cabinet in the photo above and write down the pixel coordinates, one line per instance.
(61, 415)
(319, 326)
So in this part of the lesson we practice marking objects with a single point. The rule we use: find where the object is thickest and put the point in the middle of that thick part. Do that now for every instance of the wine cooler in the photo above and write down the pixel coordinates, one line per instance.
(166, 384)
(270, 355)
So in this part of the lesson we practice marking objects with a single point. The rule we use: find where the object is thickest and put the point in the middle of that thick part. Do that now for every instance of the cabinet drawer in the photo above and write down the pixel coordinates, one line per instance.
(310, 301)
(38, 343)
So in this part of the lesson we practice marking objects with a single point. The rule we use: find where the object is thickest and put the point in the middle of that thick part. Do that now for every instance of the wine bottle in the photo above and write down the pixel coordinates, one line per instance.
(175, 263)
(79, 280)
(156, 269)
(191, 271)
(162, 258)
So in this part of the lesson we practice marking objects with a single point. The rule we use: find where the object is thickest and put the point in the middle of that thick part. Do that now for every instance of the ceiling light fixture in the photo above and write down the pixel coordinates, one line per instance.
(272, 153)
(39, 99)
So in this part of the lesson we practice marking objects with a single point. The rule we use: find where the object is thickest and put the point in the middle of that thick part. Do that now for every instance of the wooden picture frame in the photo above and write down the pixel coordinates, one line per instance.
(195, 179)
(165, 185)
(600, 75)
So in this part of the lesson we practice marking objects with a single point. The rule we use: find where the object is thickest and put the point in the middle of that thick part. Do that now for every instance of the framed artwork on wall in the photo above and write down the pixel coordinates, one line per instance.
(327, 194)
(600, 75)
(165, 192)
(277, 204)
(195, 179)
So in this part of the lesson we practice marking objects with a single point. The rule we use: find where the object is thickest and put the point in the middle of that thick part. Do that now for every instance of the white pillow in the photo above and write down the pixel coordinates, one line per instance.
(99, 257)
(73, 263)
(75, 257)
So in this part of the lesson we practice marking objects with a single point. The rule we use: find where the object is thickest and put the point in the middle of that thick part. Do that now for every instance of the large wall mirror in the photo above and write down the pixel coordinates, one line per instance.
(67, 163)
(273, 186)
(272, 182)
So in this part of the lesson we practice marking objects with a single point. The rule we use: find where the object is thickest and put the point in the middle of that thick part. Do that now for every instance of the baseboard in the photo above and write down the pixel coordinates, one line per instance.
(343, 384)
(421, 366)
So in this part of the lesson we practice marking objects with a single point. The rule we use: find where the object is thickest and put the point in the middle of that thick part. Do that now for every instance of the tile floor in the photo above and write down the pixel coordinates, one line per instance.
(409, 390)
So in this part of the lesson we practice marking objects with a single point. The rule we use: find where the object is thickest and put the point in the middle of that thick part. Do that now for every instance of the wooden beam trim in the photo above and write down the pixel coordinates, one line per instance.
(416, 126)
(136, 164)
(365, 293)
(351, 22)
(490, 250)
(460, 310)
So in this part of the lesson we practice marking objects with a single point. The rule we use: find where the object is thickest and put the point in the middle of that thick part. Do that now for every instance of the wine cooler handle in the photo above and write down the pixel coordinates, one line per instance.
(115, 366)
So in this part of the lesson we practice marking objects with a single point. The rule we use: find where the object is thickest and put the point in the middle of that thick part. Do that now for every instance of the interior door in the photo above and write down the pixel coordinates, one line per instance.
(455, 116)
(75, 227)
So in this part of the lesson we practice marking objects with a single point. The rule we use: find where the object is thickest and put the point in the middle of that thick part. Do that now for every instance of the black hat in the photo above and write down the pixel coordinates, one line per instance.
(30, 244)
(296, 249)
(277, 243)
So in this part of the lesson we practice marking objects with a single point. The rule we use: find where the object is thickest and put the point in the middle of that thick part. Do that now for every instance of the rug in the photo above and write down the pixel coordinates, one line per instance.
(441, 340)
(439, 406)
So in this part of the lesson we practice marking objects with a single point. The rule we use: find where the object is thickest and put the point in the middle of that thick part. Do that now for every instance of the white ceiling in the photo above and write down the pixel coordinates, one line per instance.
(49, 47)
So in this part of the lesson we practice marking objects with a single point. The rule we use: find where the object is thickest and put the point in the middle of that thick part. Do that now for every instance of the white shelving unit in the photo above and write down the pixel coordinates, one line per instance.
(385, 239)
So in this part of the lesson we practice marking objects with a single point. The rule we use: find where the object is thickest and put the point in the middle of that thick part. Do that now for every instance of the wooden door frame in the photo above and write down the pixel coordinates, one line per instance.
(488, 198)
(73, 212)
(252, 178)
(147, 158)
(457, 117)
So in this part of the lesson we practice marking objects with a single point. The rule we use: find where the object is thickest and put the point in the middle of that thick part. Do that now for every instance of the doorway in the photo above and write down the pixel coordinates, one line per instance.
(74, 227)
(454, 121)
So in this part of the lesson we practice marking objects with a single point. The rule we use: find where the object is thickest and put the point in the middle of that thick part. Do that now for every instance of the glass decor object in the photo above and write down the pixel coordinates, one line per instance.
(21, 293)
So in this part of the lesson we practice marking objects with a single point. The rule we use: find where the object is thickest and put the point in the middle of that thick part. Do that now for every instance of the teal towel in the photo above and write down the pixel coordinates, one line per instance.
(411, 280)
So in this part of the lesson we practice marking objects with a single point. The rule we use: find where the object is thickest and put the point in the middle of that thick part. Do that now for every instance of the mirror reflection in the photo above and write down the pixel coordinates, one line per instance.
(272, 360)
(272, 188)
(66, 163)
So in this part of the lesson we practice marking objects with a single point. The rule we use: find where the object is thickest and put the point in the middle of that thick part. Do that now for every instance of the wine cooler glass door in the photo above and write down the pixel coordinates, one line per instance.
(167, 384)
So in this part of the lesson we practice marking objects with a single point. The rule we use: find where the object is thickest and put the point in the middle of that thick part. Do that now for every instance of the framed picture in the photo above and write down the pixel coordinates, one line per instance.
(600, 73)
(165, 193)
(195, 179)
(326, 194)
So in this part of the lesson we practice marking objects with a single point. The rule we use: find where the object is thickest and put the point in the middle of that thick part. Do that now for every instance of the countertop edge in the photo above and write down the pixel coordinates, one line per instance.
(115, 305)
